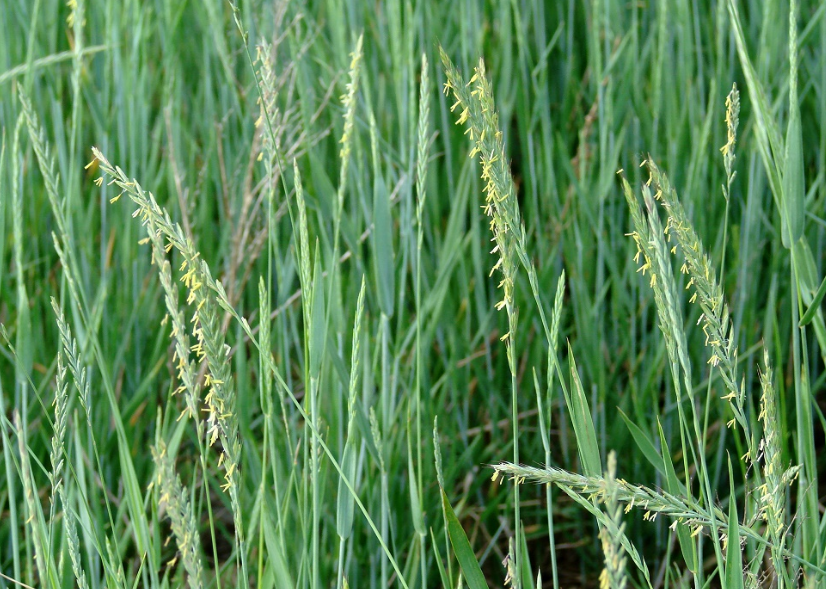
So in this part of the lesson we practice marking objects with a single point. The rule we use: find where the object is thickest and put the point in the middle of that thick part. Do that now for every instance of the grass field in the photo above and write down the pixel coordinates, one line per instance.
(331, 293)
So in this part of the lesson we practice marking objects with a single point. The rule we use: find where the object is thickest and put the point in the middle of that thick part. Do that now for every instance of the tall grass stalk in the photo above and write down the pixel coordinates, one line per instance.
(201, 285)
(505, 224)
(222, 421)
(422, 152)
(230, 112)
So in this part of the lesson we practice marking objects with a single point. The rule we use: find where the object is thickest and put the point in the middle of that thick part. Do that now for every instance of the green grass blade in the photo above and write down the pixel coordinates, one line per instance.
(461, 548)
(794, 186)
(734, 554)
(814, 306)
(675, 487)
(586, 437)
(383, 245)
(644, 444)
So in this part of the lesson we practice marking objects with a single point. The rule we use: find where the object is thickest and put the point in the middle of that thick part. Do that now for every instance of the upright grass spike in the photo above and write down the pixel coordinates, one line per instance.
(715, 318)
(58, 450)
(66, 251)
(556, 318)
(505, 224)
(732, 121)
(794, 186)
(613, 574)
(203, 287)
(222, 421)
(35, 521)
(179, 509)
(345, 506)
(421, 196)
(772, 494)
(77, 21)
(316, 333)
(72, 540)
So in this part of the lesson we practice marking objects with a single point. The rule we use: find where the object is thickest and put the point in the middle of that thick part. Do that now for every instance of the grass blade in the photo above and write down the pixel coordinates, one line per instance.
(461, 547)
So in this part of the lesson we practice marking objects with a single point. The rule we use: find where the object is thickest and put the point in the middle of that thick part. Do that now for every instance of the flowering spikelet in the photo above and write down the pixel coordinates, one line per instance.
(684, 511)
(72, 541)
(205, 294)
(613, 575)
(271, 120)
(186, 368)
(732, 121)
(476, 101)
(715, 318)
(76, 13)
(175, 496)
(772, 493)
(348, 100)
(511, 577)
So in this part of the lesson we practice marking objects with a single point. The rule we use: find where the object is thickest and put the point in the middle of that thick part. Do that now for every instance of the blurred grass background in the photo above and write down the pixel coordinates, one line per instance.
(164, 88)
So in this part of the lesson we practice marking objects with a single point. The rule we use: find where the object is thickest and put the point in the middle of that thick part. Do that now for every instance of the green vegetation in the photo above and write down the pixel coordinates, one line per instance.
(286, 284)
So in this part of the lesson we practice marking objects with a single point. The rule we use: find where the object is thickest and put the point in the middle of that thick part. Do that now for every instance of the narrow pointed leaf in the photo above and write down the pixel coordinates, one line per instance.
(461, 547)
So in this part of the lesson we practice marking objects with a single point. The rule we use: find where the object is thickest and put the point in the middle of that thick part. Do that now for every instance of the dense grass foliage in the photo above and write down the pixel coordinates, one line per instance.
(254, 335)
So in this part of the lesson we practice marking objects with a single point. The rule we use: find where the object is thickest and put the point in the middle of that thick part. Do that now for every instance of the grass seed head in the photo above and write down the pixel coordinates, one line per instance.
(478, 113)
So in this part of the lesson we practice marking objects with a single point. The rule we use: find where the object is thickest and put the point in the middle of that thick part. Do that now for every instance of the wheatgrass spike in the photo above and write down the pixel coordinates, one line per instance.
(556, 317)
(794, 186)
(344, 502)
(80, 377)
(222, 422)
(477, 109)
(266, 405)
(72, 541)
(421, 196)
(772, 493)
(304, 245)
(36, 523)
(613, 573)
(58, 445)
(349, 101)
(71, 271)
(147, 210)
(77, 21)
(317, 335)
(179, 509)
(708, 293)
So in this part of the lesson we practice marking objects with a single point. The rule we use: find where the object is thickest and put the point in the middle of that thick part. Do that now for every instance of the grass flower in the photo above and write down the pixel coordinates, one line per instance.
(771, 495)
(475, 99)
(715, 317)
(613, 574)
(203, 295)
(179, 509)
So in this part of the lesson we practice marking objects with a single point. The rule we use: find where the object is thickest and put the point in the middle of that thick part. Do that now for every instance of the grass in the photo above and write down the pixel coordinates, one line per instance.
(228, 338)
